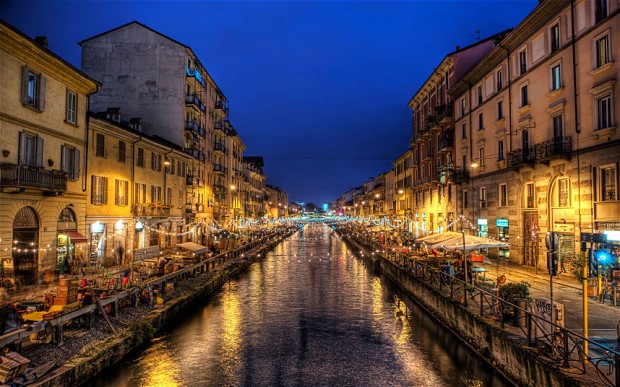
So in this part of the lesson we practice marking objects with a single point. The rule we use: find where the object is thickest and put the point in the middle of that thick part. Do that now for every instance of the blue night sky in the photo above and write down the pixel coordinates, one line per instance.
(319, 88)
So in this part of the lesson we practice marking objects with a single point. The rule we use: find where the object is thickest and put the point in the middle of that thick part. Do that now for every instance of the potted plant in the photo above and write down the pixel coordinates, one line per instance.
(515, 294)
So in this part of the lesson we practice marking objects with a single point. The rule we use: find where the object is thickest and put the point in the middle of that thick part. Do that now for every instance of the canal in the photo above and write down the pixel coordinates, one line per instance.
(312, 314)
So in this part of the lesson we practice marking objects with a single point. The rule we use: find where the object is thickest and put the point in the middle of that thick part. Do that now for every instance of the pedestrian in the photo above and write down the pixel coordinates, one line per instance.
(562, 268)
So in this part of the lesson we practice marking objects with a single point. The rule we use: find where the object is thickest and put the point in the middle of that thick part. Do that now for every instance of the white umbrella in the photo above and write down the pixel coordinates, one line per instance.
(436, 238)
(472, 242)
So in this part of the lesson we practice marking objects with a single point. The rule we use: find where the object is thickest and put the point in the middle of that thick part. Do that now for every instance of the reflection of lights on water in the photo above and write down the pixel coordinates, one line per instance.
(161, 369)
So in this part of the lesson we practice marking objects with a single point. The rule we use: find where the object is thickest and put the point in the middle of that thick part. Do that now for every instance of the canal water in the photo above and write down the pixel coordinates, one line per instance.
(309, 314)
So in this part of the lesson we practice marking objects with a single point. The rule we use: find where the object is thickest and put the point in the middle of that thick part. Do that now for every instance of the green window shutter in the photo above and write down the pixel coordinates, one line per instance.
(104, 181)
(24, 90)
(76, 164)
(42, 84)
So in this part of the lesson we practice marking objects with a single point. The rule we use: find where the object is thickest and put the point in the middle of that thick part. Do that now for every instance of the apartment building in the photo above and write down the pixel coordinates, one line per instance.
(277, 204)
(137, 195)
(432, 165)
(254, 186)
(403, 183)
(539, 146)
(153, 77)
(43, 105)
(236, 176)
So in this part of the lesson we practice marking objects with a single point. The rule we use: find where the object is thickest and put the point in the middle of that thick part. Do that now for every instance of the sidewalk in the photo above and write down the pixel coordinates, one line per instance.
(603, 319)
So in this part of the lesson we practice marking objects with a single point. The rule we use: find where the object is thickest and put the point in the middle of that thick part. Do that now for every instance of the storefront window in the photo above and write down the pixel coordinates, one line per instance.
(503, 236)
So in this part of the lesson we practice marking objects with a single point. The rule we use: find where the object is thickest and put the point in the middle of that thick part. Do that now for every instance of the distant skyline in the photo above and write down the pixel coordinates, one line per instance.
(318, 88)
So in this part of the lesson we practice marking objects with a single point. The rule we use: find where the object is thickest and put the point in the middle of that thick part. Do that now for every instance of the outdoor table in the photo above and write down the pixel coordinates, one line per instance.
(477, 270)
(34, 316)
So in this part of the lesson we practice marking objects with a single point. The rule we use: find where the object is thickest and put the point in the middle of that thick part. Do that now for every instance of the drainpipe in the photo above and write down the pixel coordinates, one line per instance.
(575, 94)
(509, 78)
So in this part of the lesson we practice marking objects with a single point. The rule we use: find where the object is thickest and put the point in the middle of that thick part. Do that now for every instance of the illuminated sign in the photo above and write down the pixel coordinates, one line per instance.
(97, 227)
(612, 235)
(482, 222)
(501, 222)
(139, 226)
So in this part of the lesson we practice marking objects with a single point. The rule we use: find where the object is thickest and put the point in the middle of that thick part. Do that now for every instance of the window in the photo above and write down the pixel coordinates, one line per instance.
(447, 80)
(121, 192)
(449, 189)
(479, 95)
(481, 157)
(121, 151)
(503, 195)
(155, 162)
(556, 80)
(464, 130)
(483, 197)
(524, 96)
(71, 114)
(526, 143)
(70, 161)
(33, 89)
(140, 193)
(522, 62)
(529, 195)
(554, 32)
(563, 193)
(180, 202)
(462, 106)
(169, 196)
(99, 190)
(499, 80)
(602, 51)
(608, 184)
(171, 167)
(99, 145)
(464, 162)
(465, 199)
(500, 150)
(30, 150)
(558, 130)
(155, 194)
(500, 109)
(603, 112)
(480, 121)
(140, 161)
(601, 10)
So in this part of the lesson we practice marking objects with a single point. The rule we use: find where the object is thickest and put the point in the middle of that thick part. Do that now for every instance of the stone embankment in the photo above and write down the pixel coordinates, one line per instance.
(87, 352)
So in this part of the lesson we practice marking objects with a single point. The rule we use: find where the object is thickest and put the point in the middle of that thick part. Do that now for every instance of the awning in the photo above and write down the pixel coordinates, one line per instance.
(75, 236)
(193, 247)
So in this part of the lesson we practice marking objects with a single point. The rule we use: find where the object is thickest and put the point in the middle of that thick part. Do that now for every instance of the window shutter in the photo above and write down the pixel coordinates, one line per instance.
(104, 181)
(143, 193)
(595, 187)
(39, 161)
(21, 157)
(42, 94)
(93, 189)
(64, 166)
(116, 192)
(67, 105)
(75, 108)
(76, 164)
(24, 91)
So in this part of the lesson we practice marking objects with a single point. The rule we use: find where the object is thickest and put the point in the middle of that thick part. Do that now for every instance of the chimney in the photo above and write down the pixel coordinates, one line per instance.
(113, 114)
(136, 123)
(41, 41)
(458, 48)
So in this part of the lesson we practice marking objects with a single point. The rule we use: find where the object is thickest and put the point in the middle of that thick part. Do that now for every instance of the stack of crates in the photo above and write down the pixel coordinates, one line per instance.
(67, 291)
(9, 369)
(18, 358)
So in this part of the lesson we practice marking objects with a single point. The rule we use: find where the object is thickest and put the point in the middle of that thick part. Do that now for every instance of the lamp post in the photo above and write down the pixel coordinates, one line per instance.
(464, 262)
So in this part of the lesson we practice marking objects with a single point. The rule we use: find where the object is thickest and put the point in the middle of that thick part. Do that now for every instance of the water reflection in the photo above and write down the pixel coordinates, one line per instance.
(309, 314)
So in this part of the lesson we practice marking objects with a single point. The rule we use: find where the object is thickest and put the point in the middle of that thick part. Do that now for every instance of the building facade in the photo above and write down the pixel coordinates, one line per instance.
(539, 143)
(43, 138)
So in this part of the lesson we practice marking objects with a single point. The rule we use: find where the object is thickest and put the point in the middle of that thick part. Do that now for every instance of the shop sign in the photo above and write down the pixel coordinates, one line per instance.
(139, 226)
(612, 235)
(66, 226)
(501, 222)
(482, 222)
(564, 227)
(97, 227)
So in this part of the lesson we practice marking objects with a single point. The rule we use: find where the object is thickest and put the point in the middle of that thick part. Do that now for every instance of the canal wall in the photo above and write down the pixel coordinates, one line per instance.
(86, 365)
(506, 353)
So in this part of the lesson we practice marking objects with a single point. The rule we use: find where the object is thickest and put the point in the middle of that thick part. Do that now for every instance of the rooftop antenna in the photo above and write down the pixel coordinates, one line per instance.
(477, 34)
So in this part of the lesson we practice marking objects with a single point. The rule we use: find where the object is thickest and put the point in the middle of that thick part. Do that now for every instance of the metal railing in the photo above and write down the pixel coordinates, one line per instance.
(557, 343)
(23, 176)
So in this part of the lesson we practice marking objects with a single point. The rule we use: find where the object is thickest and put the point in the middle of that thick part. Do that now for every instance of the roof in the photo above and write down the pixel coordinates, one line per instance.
(49, 52)
(256, 160)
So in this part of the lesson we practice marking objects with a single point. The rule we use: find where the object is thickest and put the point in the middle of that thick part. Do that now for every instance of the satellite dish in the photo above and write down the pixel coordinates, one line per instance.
(501, 279)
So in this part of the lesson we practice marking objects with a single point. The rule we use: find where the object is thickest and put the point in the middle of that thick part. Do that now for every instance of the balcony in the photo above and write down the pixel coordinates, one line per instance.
(427, 156)
(151, 210)
(22, 176)
(222, 106)
(443, 113)
(189, 180)
(554, 148)
(190, 213)
(219, 168)
(460, 175)
(219, 147)
(445, 144)
(194, 101)
(195, 153)
(518, 157)
(194, 73)
(195, 127)
(431, 125)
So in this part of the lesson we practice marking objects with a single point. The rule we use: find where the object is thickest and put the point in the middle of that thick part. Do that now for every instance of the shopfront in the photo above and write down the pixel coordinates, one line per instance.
(503, 236)
(566, 234)
(97, 245)
(69, 242)
(483, 228)
(23, 264)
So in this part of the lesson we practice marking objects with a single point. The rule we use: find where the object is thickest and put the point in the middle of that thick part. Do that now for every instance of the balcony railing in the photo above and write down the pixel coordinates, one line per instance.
(194, 73)
(220, 147)
(194, 100)
(521, 156)
(195, 127)
(151, 209)
(221, 105)
(558, 146)
(22, 176)
(443, 112)
(460, 175)
(220, 168)
(446, 144)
